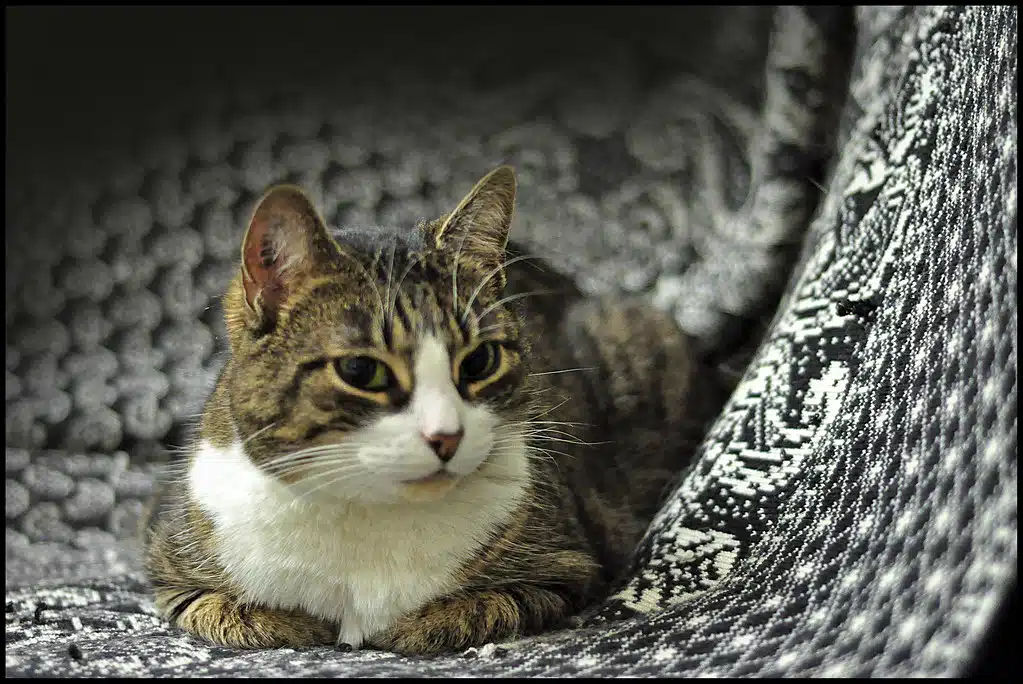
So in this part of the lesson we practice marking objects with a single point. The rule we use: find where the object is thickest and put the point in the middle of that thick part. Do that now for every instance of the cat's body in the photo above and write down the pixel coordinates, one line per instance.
(469, 491)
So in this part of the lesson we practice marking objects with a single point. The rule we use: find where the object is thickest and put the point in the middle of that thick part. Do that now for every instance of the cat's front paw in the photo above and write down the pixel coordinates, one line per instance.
(455, 623)
(224, 621)
(433, 630)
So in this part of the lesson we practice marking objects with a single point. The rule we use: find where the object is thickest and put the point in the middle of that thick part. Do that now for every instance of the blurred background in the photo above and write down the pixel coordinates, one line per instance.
(139, 137)
(110, 71)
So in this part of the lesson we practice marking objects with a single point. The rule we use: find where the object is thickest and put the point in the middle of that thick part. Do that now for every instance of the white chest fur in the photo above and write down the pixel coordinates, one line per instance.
(359, 565)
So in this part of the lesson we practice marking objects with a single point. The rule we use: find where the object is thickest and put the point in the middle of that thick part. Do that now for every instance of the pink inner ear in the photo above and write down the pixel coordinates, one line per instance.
(278, 247)
(265, 254)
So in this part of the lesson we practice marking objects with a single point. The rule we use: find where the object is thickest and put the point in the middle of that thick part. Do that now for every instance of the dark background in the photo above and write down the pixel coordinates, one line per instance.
(88, 76)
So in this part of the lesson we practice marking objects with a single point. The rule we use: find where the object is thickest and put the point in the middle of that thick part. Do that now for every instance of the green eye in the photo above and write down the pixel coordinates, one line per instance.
(480, 363)
(364, 373)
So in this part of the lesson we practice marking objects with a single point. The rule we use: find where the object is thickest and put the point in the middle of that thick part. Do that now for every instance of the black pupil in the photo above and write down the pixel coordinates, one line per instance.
(478, 362)
(359, 370)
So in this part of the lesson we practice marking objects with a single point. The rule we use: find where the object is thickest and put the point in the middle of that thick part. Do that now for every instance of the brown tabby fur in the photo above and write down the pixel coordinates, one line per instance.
(626, 430)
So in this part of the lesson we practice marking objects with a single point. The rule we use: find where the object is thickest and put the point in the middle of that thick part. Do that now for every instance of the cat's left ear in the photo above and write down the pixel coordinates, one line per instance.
(477, 230)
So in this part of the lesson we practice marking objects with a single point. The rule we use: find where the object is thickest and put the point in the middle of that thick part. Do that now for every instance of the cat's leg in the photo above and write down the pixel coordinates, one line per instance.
(470, 619)
(223, 620)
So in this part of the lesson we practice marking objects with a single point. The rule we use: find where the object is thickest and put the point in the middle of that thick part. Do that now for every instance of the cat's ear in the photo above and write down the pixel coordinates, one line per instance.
(286, 241)
(477, 229)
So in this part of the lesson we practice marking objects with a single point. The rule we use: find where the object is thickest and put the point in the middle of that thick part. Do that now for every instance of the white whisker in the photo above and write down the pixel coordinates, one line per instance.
(344, 475)
(479, 288)
(257, 433)
(454, 276)
(390, 271)
(512, 298)
(392, 304)
(365, 273)
(566, 370)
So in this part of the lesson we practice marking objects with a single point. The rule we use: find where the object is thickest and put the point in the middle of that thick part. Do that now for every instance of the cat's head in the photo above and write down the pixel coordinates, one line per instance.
(378, 366)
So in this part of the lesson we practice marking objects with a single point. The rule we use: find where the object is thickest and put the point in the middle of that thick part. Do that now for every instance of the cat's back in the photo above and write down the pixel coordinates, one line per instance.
(634, 362)
(622, 381)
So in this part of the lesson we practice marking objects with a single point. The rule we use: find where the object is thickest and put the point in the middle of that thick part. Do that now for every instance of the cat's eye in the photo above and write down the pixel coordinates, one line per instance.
(364, 373)
(480, 363)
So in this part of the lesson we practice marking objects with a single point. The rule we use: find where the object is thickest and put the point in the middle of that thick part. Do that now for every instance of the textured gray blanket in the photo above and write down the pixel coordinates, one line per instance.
(824, 198)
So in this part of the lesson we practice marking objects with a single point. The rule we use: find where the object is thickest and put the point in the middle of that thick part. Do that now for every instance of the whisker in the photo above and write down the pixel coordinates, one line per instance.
(289, 467)
(548, 430)
(310, 451)
(493, 272)
(339, 468)
(554, 422)
(454, 275)
(366, 274)
(390, 272)
(336, 480)
(548, 453)
(485, 329)
(566, 370)
(546, 434)
(512, 298)
(572, 441)
(397, 288)
(257, 433)
(553, 408)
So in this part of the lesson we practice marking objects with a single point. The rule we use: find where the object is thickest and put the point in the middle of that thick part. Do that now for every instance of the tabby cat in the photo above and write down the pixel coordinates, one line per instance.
(421, 440)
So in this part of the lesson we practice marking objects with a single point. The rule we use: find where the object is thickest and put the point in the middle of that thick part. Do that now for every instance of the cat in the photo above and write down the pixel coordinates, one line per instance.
(421, 440)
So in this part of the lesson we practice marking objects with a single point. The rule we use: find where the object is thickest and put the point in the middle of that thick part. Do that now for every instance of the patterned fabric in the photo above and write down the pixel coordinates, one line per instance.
(853, 509)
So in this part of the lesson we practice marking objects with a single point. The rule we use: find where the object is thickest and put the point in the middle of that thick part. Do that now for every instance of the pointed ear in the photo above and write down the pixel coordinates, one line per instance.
(477, 230)
(286, 240)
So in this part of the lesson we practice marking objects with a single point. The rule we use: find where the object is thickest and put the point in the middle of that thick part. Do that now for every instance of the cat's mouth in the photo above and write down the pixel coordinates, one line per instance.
(437, 476)
(429, 488)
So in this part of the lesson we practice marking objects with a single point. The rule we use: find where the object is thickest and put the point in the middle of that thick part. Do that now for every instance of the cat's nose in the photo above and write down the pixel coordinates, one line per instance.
(444, 445)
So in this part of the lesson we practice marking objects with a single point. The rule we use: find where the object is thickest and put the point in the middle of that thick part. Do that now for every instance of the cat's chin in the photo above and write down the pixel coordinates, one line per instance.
(426, 489)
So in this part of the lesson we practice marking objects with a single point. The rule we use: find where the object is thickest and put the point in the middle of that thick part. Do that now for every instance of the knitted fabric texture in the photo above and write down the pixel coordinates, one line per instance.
(852, 511)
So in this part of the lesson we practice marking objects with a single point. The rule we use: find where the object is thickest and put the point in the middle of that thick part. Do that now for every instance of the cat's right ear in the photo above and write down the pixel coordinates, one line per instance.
(286, 240)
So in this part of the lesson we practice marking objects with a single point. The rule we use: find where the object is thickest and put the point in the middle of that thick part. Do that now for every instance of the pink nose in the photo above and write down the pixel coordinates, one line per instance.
(444, 445)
